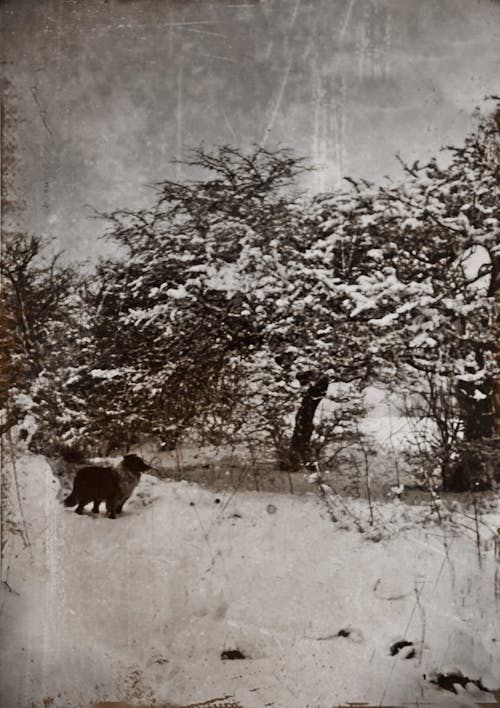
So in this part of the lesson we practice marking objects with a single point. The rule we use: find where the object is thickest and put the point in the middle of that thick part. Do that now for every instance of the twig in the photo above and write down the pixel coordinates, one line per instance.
(478, 536)
(319, 482)
(25, 535)
(8, 587)
(367, 473)
(205, 534)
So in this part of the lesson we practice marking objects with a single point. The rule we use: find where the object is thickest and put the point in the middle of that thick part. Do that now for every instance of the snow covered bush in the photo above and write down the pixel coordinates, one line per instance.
(41, 318)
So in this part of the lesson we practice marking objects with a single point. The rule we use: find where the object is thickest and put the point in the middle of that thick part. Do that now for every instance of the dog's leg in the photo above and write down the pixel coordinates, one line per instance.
(111, 508)
(83, 500)
(95, 508)
(119, 507)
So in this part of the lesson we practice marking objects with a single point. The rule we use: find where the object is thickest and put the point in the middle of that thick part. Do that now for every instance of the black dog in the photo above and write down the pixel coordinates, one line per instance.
(114, 485)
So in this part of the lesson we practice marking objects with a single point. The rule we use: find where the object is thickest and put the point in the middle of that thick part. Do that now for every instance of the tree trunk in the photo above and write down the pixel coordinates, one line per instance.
(300, 445)
(477, 414)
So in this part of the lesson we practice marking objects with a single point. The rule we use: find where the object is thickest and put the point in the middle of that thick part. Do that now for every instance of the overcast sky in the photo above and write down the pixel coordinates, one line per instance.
(108, 92)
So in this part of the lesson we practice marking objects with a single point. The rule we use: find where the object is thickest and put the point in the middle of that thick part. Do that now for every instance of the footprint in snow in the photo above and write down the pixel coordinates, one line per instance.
(454, 680)
(403, 649)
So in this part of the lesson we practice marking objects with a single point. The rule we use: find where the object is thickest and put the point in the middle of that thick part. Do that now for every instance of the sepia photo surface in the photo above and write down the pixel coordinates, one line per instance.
(249, 353)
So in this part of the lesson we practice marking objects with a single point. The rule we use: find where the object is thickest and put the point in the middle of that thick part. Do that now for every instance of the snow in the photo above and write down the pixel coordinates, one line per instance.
(105, 373)
(178, 293)
(23, 401)
(384, 321)
(478, 396)
(423, 340)
(141, 608)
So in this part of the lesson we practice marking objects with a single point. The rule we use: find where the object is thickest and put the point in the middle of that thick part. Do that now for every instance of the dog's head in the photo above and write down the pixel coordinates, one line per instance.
(134, 463)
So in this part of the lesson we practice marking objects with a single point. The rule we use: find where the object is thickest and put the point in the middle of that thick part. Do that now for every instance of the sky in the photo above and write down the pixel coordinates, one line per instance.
(104, 94)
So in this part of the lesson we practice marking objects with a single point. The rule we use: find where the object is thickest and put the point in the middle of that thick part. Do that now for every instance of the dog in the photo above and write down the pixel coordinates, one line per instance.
(113, 485)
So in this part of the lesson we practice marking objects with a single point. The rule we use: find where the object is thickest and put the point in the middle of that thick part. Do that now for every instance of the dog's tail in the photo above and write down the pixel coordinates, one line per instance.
(71, 500)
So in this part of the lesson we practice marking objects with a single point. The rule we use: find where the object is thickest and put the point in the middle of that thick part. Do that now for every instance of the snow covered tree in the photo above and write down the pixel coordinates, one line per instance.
(227, 311)
(152, 371)
(37, 314)
(432, 297)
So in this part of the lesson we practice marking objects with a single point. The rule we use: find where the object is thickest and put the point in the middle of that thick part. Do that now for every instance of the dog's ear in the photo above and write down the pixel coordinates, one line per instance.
(135, 463)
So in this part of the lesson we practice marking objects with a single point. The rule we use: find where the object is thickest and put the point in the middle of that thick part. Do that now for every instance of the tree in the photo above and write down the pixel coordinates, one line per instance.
(38, 308)
(432, 311)
(224, 314)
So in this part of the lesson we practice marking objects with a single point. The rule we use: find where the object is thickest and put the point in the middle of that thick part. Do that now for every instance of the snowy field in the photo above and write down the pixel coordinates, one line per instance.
(142, 609)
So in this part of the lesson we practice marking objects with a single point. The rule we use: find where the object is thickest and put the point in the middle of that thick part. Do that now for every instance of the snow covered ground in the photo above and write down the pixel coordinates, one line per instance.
(141, 609)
